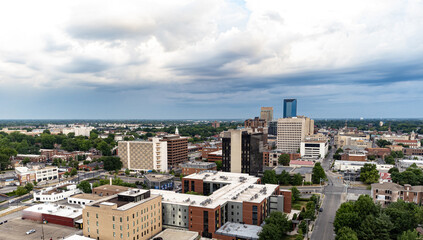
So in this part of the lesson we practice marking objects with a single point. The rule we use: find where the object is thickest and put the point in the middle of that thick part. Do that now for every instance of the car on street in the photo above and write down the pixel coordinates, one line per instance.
(30, 231)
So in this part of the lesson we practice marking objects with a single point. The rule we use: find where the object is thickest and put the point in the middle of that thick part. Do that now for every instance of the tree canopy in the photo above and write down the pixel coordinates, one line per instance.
(318, 173)
(284, 159)
(369, 174)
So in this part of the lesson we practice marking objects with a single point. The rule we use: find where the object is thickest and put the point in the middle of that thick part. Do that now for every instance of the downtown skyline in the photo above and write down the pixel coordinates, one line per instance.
(210, 59)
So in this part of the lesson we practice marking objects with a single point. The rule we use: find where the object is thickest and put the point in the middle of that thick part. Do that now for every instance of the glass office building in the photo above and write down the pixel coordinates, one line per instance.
(289, 108)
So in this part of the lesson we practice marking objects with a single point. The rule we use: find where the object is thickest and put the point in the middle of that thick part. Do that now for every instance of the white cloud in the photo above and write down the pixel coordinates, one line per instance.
(132, 43)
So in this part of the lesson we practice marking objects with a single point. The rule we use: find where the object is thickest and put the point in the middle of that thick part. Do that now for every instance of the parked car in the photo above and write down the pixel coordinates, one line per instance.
(30, 231)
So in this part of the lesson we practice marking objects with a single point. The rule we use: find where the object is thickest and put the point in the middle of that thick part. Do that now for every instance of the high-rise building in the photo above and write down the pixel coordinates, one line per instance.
(267, 114)
(242, 151)
(273, 128)
(177, 150)
(134, 214)
(144, 155)
(289, 108)
(292, 131)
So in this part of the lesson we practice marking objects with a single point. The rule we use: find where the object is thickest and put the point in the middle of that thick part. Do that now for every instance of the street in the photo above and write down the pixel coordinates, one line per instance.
(323, 228)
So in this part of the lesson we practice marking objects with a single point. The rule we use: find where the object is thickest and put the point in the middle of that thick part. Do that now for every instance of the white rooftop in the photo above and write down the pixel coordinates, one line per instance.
(77, 237)
(55, 209)
(238, 230)
(239, 187)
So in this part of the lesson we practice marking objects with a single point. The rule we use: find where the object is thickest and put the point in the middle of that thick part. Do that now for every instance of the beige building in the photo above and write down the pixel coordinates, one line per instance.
(359, 140)
(130, 215)
(266, 114)
(144, 155)
(292, 131)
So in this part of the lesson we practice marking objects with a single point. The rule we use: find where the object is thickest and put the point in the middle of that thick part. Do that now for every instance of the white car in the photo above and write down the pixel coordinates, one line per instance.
(30, 231)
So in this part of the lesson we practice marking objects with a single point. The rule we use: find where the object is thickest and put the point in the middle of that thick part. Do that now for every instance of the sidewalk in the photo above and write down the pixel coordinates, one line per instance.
(11, 209)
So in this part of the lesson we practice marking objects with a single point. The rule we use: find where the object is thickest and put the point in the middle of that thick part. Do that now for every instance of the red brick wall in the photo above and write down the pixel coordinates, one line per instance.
(266, 158)
(198, 185)
(196, 219)
(188, 171)
(286, 201)
(247, 212)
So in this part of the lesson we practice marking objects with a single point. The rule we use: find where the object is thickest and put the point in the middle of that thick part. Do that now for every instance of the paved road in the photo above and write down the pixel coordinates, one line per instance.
(323, 228)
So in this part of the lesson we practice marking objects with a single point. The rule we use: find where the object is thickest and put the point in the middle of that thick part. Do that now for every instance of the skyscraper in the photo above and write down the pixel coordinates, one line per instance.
(267, 114)
(292, 131)
(289, 108)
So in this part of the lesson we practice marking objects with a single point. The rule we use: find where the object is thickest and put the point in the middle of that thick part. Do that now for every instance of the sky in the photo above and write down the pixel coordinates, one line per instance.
(210, 59)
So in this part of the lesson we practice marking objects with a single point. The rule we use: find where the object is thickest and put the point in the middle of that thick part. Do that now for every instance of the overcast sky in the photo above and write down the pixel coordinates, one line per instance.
(210, 59)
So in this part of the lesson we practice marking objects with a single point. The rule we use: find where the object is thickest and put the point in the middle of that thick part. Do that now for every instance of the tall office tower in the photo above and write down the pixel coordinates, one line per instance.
(242, 151)
(144, 155)
(292, 131)
(289, 108)
(267, 114)
(177, 150)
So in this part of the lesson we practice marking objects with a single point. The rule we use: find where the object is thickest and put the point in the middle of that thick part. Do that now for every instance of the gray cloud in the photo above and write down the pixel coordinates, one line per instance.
(85, 65)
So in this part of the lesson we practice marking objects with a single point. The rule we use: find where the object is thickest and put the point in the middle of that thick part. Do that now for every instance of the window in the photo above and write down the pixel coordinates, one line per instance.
(113, 218)
(96, 215)
(113, 226)
(88, 214)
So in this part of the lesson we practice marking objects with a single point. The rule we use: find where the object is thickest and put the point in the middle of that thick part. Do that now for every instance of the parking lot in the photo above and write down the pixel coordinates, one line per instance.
(16, 229)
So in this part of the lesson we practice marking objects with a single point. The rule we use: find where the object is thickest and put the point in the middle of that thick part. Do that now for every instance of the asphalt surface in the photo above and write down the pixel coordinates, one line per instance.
(323, 228)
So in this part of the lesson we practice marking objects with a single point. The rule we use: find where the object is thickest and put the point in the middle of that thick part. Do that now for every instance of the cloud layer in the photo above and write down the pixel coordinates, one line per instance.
(173, 59)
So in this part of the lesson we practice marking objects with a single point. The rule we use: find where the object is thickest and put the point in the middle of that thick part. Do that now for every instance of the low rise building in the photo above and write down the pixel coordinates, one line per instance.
(314, 150)
(407, 143)
(227, 197)
(109, 190)
(172, 234)
(53, 213)
(214, 156)
(386, 193)
(238, 231)
(36, 173)
(378, 152)
(357, 165)
(133, 214)
(195, 167)
(403, 164)
(83, 199)
(159, 181)
(31, 157)
(56, 193)
(301, 163)
(306, 172)
(413, 151)
(274, 157)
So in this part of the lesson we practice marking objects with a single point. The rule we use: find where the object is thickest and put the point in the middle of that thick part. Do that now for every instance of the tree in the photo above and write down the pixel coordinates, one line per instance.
(382, 143)
(85, 186)
(21, 191)
(218, 165)
(26, 160)
(389, 160)
(371, 157)
(346, 216)
(303, 226)
(104, 148)
(318, 173)
(284, 178)
(346, 233)
(297, 179)
(73, 172)
(276, 227)
(4, 161)
(29, 187)
(403, 216)
(284, 159)
(47, 141)
(111, 163)
(295, 194)
(369, 174)
(410, 235)
(127, 172)
(269, 176)
(375, 228)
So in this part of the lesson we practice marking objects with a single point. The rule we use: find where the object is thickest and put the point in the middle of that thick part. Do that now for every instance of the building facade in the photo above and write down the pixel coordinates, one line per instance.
(289, 108)
(144, 155)
(292, 131)
(242, 152)
(36, 173)
(314, 150)
(266, 113)
(195, 167)
(177, 150)
(134, 214)
(388, 192)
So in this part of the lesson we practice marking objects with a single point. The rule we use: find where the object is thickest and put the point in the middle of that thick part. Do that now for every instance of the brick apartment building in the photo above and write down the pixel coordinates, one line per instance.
(177, 150)
(378, 152)
(228, 197)
(388, 192)
(413, 151)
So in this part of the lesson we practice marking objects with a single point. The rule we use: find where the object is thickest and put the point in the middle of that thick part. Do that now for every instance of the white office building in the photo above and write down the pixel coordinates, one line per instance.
(292, 131)
(314, 150)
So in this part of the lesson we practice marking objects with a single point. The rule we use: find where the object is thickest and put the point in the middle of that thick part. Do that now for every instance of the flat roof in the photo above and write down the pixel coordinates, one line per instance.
(87, 196)
(198, 164)
(238, 187)
(238, 230)
(78, 237)
(111, 188)
(55, 209)
(303, 170)
(171, 234)
(158, 177)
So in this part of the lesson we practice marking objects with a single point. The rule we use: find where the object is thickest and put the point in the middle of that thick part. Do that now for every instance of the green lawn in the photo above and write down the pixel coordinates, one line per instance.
(298, 205)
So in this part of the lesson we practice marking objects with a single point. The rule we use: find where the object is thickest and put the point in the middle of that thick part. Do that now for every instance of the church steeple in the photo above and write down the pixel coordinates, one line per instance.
(176, 131)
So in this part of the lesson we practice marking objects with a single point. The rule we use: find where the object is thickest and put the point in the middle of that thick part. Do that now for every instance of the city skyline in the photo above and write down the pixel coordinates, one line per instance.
(210, 60)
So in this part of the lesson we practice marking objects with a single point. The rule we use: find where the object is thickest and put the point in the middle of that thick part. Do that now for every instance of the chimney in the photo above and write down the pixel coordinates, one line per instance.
(110, 181)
